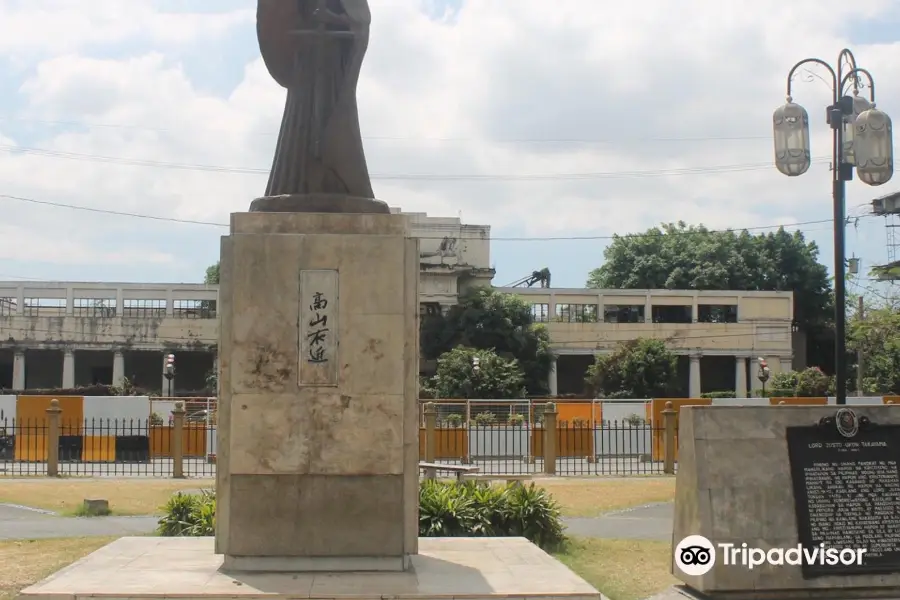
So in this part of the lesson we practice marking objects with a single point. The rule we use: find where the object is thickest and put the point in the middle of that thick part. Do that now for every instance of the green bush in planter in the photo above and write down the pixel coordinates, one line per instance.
(446, 509)
(189, 515)
(470, 509)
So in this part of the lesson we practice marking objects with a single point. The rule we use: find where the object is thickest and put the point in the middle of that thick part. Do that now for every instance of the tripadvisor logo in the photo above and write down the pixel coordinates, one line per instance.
(695, 555)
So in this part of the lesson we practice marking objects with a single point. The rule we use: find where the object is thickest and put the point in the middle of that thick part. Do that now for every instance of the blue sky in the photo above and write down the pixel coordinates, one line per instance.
(575, 122)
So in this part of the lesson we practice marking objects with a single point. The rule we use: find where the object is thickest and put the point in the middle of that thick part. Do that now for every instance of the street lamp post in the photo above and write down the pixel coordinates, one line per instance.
(763, 374)
(862, 138)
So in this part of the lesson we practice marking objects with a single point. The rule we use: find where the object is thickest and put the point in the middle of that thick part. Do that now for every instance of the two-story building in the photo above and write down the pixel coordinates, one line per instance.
(68, 334)
(717, 335)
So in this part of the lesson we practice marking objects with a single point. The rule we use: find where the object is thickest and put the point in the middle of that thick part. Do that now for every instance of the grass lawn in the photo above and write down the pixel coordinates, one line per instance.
(621, 569)
(583, 497)
(24, 562)
(134, 496)
(590, 497)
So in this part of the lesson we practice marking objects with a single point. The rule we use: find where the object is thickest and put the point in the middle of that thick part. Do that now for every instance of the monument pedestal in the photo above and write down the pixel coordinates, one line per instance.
(318, 433)
(777, 477)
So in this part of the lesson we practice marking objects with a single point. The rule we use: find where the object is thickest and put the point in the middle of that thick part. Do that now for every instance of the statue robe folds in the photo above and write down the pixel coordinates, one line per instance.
(318, 59)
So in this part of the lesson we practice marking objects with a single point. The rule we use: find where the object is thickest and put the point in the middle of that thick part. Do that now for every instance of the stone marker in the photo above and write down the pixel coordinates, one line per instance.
(318, 441)
(96, 508)
(775, 478)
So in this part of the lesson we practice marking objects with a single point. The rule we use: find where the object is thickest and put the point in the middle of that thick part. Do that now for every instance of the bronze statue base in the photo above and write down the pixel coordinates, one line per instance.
(319, 203)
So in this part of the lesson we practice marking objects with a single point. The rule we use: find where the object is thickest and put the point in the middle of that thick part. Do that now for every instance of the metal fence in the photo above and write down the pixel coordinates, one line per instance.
(106, 448)
(611, 448)
(495, 438)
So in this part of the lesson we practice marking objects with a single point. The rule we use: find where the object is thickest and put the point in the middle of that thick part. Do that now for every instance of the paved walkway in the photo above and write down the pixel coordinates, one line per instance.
(17, 522)
(650, 522)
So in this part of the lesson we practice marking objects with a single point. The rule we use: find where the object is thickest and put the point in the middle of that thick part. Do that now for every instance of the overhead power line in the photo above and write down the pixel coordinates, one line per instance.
(492, 238)
(623, 174)
(616, 140)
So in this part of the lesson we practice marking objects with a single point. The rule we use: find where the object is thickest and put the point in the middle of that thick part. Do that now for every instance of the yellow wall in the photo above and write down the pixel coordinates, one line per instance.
(801, 401)
(569, 411)
(31, 423)
(99, 448)
(571, 442)
(654, 414)
(193, 442)
(450, 443)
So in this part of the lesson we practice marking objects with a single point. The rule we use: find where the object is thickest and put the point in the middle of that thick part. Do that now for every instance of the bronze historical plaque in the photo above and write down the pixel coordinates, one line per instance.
(846, 484)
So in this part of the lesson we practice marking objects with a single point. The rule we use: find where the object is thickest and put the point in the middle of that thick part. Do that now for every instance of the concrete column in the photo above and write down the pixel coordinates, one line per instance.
(551, 309)
(552, 380)
(695, 310)
(20, 300)
(18, 382)
(600, 310)
(68, 375)
(120, 302)
(740, 376)
(648, 309)
(118, 368)
(694, 386)
(70, 304)
(170, 303)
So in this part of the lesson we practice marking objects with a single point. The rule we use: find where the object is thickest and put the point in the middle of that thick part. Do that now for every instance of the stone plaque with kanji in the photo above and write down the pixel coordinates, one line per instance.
(318, 328)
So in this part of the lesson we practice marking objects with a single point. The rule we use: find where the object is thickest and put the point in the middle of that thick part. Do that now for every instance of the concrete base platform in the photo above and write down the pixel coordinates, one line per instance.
(182, 568)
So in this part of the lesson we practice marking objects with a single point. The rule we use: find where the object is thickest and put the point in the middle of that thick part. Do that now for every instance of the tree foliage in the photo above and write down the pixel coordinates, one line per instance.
(489, 320)
(878, 337)
(212, 274)
(678, 256)
(640, 368)
(494, 378)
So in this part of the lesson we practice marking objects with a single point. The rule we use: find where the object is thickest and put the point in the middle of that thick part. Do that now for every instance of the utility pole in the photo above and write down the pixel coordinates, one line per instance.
(860, 365)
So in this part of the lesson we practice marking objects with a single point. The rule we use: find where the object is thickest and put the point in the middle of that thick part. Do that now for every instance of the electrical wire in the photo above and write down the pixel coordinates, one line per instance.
(12, 198)
(734, 168)
(617, 140)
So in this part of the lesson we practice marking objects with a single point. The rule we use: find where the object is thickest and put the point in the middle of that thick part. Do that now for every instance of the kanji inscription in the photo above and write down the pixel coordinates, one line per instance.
(318, 327)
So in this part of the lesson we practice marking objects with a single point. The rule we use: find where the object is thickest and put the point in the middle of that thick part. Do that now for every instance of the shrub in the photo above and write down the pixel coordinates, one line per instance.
(454, 420)
(812, 382)
(485, 418)
(634, 420)
(450, 509)
(719, 394)
(189, 515)
(446, 509)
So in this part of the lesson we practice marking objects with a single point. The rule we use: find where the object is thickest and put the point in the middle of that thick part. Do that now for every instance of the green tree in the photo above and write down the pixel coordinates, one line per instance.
(640, 368)
(212, 274)
(678, 256)
(494, 378)
(489, 320)
(877, 336)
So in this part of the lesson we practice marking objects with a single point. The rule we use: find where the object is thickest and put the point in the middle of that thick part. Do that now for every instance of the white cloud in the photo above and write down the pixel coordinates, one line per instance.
(449, 97)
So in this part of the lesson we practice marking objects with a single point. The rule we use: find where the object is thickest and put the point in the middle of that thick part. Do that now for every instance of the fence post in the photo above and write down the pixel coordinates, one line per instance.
(177, 446)
(550, 434)
(430, 432)
(669, 415)
(53, 413)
